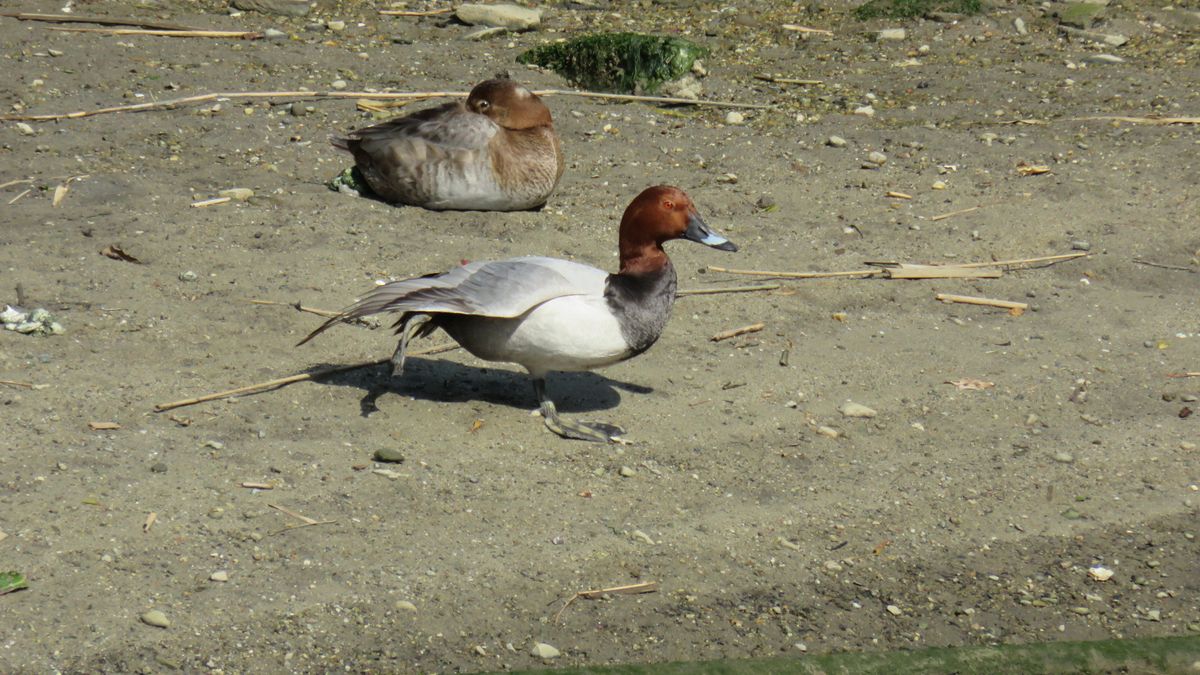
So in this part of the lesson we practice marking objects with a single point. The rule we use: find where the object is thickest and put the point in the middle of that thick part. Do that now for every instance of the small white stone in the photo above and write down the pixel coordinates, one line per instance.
(156, 618)
(507, 16)
(833, 566)
(734, 117)
(894, 610)
(892, 34)
(338, 84)
(406, 606)
(836, 142)
(544, 651)
(220, 575)
(851, 409)
(336, 26)
(237, 194)
(25, 129)
(1099, 573)
(865, 111)
(828, 432)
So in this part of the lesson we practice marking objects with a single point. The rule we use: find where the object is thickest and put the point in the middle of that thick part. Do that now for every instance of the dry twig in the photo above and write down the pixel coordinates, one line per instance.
(954, 213)
(311, 95)
(786, 80)
(804, 29)
(729, 289)
(305, 520)
(211, 202)
(413, 12)
(101, 20)
(631, 589)
(299, 307)
(1177, 268)
(1014, 308)
(14, 383)
(240, 34)
(1187, 374)
(734, 332)
(292, 379)
(796, 275)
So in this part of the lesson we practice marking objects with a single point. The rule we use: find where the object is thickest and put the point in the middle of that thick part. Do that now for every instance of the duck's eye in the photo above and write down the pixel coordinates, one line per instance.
(668, 205)
(483, 105)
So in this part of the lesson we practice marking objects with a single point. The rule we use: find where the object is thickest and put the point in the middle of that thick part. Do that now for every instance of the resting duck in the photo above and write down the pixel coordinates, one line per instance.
(495, 152)
(549, 314)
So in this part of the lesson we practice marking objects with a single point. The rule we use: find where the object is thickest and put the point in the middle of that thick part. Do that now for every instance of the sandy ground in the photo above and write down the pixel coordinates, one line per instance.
(954, 516)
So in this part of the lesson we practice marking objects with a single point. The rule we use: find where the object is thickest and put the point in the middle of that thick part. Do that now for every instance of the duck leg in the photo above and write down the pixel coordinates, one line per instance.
(411, 326)
(597, 432)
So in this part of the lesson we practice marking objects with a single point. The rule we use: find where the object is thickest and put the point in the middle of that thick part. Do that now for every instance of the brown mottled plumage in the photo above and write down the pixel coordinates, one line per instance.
(496, 151)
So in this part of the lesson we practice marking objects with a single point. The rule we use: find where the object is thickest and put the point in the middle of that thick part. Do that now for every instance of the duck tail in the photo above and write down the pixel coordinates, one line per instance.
(340, 142)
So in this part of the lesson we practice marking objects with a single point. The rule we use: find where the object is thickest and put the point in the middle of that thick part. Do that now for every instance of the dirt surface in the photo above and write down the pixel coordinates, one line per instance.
(954, 516)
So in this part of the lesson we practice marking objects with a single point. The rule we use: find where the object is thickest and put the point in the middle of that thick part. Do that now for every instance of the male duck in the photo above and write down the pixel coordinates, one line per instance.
(549, 314)
(495, 152)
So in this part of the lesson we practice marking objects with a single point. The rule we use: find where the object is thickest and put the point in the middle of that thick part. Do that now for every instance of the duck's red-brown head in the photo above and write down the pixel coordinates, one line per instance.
(659, 214)
(509, 104)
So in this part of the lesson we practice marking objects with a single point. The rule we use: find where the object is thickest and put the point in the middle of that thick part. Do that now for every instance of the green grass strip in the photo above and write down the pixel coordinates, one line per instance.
(1148, 655)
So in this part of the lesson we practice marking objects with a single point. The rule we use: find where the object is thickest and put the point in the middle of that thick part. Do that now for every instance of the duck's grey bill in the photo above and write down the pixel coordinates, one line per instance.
(698, 231)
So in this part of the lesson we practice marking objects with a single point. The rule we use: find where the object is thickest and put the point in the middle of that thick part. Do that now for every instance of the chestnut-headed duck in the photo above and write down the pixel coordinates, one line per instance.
(497, 151)
(548, 314)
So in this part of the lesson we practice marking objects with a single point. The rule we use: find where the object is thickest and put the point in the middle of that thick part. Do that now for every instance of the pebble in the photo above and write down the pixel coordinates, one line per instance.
(800, 647)
(642, 537)
(158, 467)
(406, 606)
(274, 34)
(938, 185)
(220, 575)
(544, 651)
(507, 16)
(836, 142)
(877, 157)
(388, 455)
(734, 117)
(1103, 58)
(833, 566)
(1187, 445)
(851, 409)
(25, 129)
(865, 111)
(1154, 615)
(336, 26)
(828, 432)
(1019, 24)
(892, 34)
(1099, 573)
(156, 618)
(388, 473)
(894, 610)
(300, 110)
(1082, 611)
(237, 194)
(765, 202)
(338, 84)
(188, 276)
(1081, 245)
(1063, 457)
(627, 472)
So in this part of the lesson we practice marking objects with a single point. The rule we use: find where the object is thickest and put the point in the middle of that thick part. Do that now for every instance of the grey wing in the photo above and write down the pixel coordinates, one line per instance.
(449, 127)
(502, 289)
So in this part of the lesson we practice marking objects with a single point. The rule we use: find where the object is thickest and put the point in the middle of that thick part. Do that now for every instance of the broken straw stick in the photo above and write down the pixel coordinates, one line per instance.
(411, 12)
(102, 20)
(298, 307)
(305, 519)
(311, 95)
(797, 275)
(786, 80)
(1187, 374)
(731, 289)
(954, 213)
(734, 332)
(631, 589)
(1014, 308)
(805, 29)
(211, 202)
(242, 34)
(292, 379)
(14, 383)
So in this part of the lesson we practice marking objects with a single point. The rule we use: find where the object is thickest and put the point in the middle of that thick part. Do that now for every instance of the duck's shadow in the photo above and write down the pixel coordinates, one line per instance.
(450, 382)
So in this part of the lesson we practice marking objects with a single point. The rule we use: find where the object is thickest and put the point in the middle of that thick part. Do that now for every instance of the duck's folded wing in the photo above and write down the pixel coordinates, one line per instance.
(501, 289)
(447, 127)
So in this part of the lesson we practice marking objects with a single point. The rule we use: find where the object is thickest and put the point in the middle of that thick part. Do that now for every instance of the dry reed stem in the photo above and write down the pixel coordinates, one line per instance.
(411, 12)
(292, 379)
(14, 383)
(1014, 308)
(805, 29)
(797, 275)
(786, 80)
(102, 20)
(211, 202)
(729, 289)
(954, 213)
(240, 34)
(327, 313)
(312, 95)
(630, 589)
(1187, 374)
(734, 332)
